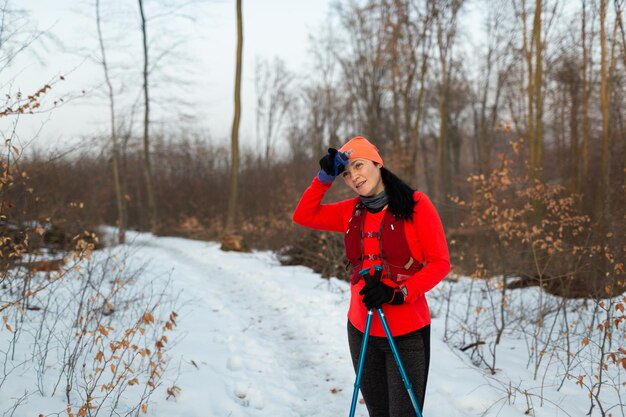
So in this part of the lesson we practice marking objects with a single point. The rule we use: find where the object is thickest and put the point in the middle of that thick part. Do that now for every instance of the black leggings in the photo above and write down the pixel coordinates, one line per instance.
(381, 382)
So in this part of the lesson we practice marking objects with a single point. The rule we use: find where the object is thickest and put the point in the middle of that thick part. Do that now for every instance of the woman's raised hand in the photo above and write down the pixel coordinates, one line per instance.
(332, 164)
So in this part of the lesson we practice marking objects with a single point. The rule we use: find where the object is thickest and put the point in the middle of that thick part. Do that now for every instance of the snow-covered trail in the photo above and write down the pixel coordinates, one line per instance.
(261, 339)
(272, 335)
(255, 338)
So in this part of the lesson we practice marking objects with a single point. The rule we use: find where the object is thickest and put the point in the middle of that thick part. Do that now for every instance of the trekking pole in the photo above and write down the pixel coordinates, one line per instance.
(357, 382)
(378, 270)
(396, 355)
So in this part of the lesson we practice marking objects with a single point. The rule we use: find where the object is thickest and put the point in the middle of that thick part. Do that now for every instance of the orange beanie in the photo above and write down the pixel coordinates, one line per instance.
(359, 147)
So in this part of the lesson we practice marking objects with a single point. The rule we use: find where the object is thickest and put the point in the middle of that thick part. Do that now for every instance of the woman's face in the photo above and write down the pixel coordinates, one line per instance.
(363, 176)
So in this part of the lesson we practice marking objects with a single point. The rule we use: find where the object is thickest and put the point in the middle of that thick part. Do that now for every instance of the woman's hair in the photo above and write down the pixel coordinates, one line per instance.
(401, 202)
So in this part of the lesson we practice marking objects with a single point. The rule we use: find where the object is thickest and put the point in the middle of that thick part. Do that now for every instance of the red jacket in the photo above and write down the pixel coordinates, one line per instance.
(424, 236)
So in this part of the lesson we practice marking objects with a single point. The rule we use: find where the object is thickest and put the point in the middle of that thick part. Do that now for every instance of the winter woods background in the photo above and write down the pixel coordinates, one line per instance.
(509, 114)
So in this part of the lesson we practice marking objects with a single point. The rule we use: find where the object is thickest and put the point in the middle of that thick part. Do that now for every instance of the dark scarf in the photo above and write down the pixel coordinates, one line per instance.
(376, 203)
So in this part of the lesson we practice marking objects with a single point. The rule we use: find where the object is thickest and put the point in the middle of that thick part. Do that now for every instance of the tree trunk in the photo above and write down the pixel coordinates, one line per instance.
(442, 146)
(486, 118)
(398, 148)
(560, 116)
(119, 192)
(618, 11)
(585, 98)
(234, 165)
(414, 131)
(602, 202)
(533, 51)
(446, 15)
(530, 93)
(574, 171)
(611, 109)
(538, 81)
(147, 165)
(483, 158)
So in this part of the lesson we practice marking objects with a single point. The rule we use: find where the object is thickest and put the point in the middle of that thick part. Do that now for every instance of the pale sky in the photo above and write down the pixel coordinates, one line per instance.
(271, 28)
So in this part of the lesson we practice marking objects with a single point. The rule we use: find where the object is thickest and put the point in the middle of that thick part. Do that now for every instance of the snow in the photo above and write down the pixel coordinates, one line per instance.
(255, 338)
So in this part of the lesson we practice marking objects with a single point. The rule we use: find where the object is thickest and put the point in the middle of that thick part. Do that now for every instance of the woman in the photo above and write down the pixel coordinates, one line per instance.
(391, 225)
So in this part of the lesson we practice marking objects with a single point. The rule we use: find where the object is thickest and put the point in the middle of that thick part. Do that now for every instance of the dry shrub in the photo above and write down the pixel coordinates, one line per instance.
(323, 252)
(193, 227)
(518, 226)
(191, 182)
(234, 243)
(63, 308)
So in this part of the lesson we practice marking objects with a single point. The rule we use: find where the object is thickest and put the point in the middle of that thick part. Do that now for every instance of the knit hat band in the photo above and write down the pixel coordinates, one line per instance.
(359, 147)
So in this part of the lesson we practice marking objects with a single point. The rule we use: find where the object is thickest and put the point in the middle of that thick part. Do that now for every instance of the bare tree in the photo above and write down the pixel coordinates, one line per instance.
(364, 67)
(537, 98)
(273, 100)
(323, 97)
(488, 91)
(586, 91)
(569, 75)
(119, 192)
(607, 68)
(146, 125)
(619, 5)
(18, 35)
(532, 55)
(528, 47)
(409, 41)
(230, 242)
(446, 27)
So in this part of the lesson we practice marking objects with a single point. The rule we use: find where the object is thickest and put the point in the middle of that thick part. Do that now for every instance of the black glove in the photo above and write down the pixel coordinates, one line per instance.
(375, 293)
(332, 164)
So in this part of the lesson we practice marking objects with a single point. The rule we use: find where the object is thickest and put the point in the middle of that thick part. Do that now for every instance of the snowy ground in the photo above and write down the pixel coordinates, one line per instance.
(259, 339)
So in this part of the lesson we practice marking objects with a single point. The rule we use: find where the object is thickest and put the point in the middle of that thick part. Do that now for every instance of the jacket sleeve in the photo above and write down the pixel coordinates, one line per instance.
(431, 241)
(310, 211)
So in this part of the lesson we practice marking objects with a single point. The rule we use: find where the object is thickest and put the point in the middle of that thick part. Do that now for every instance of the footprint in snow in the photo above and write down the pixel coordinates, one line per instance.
(235, 363)
(248, 396)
